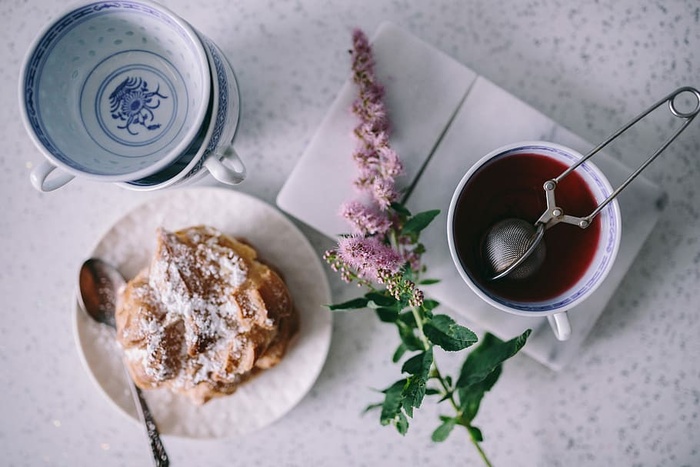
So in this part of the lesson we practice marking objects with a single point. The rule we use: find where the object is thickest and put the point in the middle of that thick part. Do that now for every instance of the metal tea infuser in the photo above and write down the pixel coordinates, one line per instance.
(513, 247)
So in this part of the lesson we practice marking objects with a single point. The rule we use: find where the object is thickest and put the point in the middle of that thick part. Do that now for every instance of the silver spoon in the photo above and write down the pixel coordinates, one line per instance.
(99, 284)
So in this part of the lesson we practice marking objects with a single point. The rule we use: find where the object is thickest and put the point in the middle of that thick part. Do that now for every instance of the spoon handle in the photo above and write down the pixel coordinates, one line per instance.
(160, 457)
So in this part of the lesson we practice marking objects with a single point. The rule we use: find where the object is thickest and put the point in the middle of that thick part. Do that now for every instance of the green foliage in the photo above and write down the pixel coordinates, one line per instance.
(479, 373)
(421, 331)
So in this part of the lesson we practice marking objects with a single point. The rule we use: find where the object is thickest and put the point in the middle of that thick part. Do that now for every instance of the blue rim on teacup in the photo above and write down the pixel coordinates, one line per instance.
(111, 96)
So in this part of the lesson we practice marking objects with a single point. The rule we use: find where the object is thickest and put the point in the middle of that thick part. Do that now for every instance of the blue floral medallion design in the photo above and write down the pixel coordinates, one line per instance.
(34, 87)
(132, 103)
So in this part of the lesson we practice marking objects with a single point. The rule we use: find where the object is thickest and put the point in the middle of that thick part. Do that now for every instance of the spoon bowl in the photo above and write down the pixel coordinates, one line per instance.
(100, 283)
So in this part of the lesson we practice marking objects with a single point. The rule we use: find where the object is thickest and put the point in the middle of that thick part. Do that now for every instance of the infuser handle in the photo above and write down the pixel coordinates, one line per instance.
(686, 116)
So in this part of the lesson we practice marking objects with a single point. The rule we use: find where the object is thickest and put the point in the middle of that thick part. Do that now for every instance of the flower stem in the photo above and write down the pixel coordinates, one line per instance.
(419, 322)
(435, 373)
(478, 448)
(466, 423)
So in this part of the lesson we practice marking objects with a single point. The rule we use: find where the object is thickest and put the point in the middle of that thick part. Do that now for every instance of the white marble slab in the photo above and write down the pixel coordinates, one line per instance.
(425, 88)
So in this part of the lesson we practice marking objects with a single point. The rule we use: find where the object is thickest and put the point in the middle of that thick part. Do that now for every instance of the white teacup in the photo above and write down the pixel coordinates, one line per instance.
(508, 182)
(116, 92)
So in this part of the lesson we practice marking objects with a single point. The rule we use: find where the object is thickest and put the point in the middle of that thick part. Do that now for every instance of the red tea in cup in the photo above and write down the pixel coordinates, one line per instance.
(510, 186)
(508, 183)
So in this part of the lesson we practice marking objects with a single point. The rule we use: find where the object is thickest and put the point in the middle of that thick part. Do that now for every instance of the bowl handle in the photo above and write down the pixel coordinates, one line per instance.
(40, 181)
(227, 167)
(560, 325)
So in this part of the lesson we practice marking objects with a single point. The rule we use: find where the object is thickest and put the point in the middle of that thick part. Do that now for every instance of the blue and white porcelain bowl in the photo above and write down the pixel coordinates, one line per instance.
(212, 151)
(114, 91)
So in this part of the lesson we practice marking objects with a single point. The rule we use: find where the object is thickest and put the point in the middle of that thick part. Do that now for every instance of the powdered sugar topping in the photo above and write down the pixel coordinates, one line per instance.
(192, 320)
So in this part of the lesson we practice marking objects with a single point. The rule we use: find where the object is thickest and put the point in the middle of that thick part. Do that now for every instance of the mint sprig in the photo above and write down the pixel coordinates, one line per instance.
(384, 254)
(421, 332)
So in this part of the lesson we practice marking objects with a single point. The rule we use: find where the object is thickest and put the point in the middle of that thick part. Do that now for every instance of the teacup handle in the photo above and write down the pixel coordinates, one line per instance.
(560, 325)
(39, 177)
(227, 167)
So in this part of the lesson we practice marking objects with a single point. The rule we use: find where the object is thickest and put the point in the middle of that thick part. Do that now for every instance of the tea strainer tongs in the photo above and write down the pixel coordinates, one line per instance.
(514, 247)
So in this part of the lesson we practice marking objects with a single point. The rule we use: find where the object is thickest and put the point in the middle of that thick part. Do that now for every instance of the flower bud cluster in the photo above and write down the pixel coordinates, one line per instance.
(401, 288)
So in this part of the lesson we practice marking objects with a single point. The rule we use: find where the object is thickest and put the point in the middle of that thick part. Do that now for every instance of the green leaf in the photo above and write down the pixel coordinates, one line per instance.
(419, 222)
(419, 364)
(400, 350)
(377, 299)
(443, 331)
(419, 249)
(471, 396)
(408, 274)
(414, 393)
(402, 424)
(353, 304)
(475, 433)
(393, 406)
(400, 209)
(409, 319)
(387, 315)
(444, 430)
(371, 407)
(429, 281)
(486, 357)
(393, 399)
(432, 391)
(408, 337)
(413, 365)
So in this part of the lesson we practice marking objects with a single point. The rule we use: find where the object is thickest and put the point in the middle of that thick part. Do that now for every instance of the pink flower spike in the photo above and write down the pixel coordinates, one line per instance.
(361, 43)
(366, 220)
(391, 163)
(369, 257)
(370, 137)
(373, 91)
(365, 160)
(384, 193)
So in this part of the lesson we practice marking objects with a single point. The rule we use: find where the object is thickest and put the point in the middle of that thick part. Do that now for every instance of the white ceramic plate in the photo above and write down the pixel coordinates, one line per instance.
(129, 244)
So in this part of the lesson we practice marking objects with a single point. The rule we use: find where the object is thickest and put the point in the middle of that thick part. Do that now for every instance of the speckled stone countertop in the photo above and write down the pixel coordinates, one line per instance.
(632, 396)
